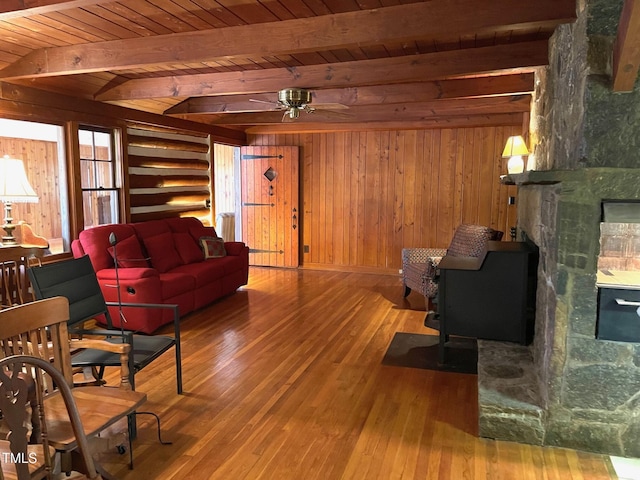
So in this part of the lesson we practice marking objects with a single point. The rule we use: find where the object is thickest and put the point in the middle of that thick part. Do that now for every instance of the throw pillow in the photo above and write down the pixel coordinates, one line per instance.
(162, 251)
(187, 248)
(129, 253)
(213, 247)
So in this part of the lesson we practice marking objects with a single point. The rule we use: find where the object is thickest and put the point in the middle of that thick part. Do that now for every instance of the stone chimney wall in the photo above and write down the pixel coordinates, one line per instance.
(587, 146)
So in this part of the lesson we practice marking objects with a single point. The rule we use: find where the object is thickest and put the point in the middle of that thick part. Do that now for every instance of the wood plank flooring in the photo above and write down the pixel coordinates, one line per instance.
(283, 380)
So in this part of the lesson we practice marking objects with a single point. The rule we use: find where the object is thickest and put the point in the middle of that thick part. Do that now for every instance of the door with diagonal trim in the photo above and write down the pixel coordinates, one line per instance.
(269, 202)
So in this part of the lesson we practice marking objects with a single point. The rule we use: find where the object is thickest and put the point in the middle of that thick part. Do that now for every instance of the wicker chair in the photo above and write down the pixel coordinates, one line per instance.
(419, 265)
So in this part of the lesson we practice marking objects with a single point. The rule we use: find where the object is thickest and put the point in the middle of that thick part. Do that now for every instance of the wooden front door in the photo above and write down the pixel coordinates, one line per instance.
(269, 201)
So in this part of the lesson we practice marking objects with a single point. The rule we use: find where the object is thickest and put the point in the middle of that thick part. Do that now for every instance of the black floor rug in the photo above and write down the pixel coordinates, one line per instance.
(414, 350)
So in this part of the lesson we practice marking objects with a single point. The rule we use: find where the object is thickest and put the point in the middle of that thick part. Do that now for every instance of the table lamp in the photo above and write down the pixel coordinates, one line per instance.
(513, 150)
(14, 188)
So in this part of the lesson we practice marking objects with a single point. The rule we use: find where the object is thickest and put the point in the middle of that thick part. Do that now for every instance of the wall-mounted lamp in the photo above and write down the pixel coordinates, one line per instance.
(14, 188)
(514, 150)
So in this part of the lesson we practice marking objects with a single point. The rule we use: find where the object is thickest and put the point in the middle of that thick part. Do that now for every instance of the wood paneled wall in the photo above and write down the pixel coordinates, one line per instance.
(367, 195)
(41, 164)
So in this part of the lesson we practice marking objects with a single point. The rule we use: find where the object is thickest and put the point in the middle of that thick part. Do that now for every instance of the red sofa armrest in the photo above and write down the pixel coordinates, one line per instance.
(234, 248)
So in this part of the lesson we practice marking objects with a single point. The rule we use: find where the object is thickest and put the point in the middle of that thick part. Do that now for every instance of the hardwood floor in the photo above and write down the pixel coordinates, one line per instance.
(283, 380)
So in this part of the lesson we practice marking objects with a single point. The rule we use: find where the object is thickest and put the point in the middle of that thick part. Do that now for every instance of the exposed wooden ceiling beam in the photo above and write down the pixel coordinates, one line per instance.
(626, 52)
(414, 111)
(495, 120)
(399, 23)
(512, 58)
(25, 8)
(19, 101)
(367, 95)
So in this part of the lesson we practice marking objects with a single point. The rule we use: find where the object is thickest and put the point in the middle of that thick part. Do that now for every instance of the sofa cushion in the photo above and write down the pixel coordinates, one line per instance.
(175, 283)
(203, 273)
(150, 228)
(129, 253)
(209, 271)
(229, 264)
(213, 247)
(203, 231)
(183, 224)
(162, 251)
(187, 248)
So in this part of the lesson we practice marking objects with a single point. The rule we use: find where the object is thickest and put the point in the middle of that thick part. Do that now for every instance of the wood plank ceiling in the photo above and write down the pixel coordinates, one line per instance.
(370, 63)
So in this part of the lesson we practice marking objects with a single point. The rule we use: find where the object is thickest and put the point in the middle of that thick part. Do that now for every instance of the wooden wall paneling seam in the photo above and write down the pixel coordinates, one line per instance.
(444, 197)
(372, 194)
(425, 160)
(306, 156)
(415, 177)
(330, 192)
(406, 179)
(385, 215)
(396, 201)
(466, 173)
(362, 198)
(338, 199)
(314, 196)
(457, 168)
(383, 210)
(324, 222)
(485, 171)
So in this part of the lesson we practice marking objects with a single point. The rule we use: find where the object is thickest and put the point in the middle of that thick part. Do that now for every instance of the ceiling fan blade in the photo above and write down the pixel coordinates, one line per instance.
(333, 114)
(275, 104)
(330, 106)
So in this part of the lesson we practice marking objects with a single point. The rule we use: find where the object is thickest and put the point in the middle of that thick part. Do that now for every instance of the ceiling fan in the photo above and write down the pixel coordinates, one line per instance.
(296, 100)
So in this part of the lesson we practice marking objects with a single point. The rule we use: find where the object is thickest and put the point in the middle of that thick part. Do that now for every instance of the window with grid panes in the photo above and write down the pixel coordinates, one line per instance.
(100, 185)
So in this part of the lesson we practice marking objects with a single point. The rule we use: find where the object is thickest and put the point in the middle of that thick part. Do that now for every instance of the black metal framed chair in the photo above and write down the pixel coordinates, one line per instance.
(76, 280)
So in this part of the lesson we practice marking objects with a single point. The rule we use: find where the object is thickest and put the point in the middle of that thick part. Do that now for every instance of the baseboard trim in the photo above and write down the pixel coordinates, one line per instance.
(350, 268)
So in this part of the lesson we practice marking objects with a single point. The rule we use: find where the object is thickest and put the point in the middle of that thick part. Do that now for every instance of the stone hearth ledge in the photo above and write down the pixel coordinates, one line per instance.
(508, 399)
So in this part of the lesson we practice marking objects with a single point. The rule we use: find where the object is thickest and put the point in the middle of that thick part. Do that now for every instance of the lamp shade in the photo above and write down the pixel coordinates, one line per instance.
(515, 146)
(14, 185)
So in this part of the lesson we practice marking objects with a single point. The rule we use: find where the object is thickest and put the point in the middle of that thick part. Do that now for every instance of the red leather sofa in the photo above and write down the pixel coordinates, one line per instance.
(160, 261)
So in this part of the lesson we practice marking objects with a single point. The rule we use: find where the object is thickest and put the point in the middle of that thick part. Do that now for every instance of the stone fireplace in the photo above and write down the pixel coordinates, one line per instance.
(570, 388)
